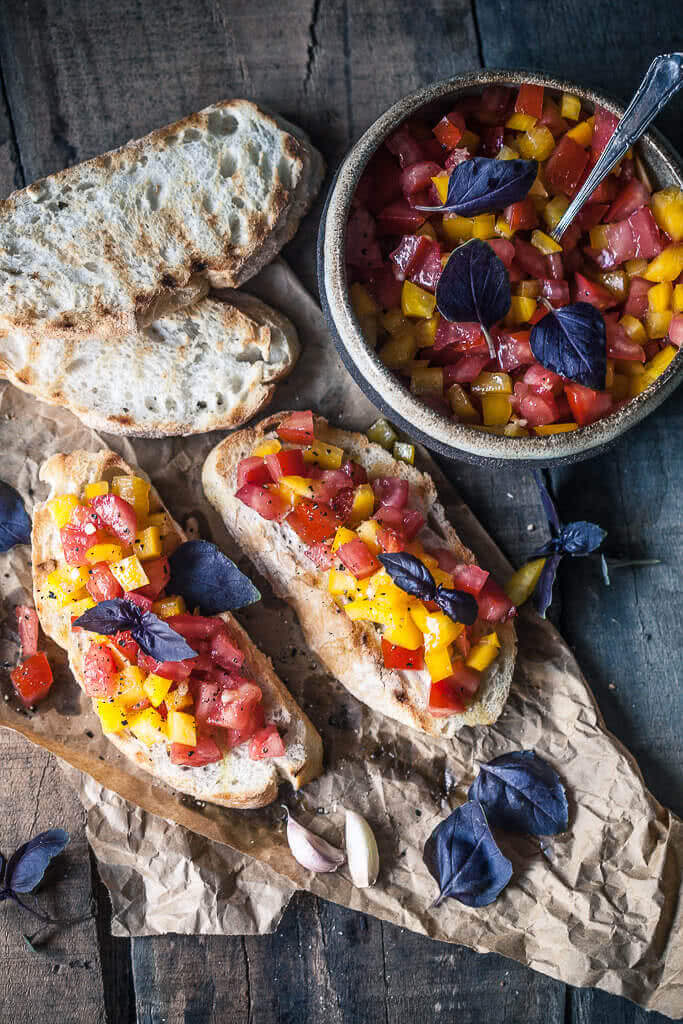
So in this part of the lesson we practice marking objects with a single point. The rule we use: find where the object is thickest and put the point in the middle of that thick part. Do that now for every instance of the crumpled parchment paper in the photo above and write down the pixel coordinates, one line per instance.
(597, 906)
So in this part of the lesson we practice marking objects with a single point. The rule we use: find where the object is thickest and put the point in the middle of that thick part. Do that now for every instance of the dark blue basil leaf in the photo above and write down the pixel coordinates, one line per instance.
(110, 617)
(520, 792)
(482, 185)
(3, 864)
(159, 641)
(457, 605)
(15, 525)
(580, 538)
(207, 579)
(474, 285)
(410, 574)
(548, 504)
(462, 855)
(572, 341)
(543, 593)
(27, 865)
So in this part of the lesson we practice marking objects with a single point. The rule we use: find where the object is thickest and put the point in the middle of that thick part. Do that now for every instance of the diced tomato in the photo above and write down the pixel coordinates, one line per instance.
(593, 293)
(450, 128)
(27, 624)
(428, 271)
(514, 350)
(621, 245)
(178, 670)
(195, 627)
(494, 604)
(125, 645)
(552, 119)
(390, 540)
(521, 216)
(494, 104)
(99, 672)
(646, 238)
(636, 302)
(355, 472)
(390, 490)
(405, 146)
(313, 521)
(117, 515)
(255, 721)
(225, 652)
(555, 266)
(158, 572)
(466, 369)
(390, 516)
(455, 157)
(358, 559)
(362, 248)
(206, 752)
(252, 470)
(556, 292)
(266, 743)
(399, 218)
(565, 166)
(504, 250)
(384, 177)
(321, 555)
(401, 657)
(385, 288)
(75, 543)
(530, 100)
(409, 254)
(413, 521)
(634, 195)
(289, 462)
(619, 343)
(603, 128)
(102, 585)
(206, 696)
(492, 137)
(592, 214)
(538, 409)
(418, 176)
(342, 503)
(587, 405)
(465, 337)
(297, 428)
(32, 679)
(676, 330)
(445, 699)
(530, 258)
(232, 709)
(543, 381)
(145, 603)
(268, 504)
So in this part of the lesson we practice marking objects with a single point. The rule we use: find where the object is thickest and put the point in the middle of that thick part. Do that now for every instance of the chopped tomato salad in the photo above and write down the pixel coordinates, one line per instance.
(116, 545)
(623, 254)
(345, 521)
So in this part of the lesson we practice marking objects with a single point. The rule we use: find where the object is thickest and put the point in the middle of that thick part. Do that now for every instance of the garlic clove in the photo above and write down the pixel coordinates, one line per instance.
(361, 851)
(311, 851)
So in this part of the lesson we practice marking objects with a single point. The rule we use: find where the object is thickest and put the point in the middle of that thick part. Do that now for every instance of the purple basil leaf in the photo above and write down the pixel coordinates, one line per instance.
(3, 865)
(208, 579)
(457, 605)
(520, 792)
(548, 504)
(481, 185)
(159, 641)
(572, 341)
(110, 617)
(463, 857)
(410, 574)
(27, 865)
(580, 538)
(15, 525)
(474, 285)
(544, 588)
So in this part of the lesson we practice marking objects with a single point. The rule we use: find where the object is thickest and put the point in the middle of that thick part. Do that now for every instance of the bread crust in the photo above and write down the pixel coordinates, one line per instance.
(350, 650)
(302, 761)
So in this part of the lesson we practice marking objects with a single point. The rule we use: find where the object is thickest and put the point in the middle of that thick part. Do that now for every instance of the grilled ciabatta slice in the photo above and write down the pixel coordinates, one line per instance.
(236, 781)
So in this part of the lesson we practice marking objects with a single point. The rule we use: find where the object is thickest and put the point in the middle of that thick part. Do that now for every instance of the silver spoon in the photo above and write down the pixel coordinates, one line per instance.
(663, 79)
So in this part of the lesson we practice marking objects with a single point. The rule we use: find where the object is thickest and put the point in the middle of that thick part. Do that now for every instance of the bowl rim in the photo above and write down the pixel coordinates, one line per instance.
(380, 383)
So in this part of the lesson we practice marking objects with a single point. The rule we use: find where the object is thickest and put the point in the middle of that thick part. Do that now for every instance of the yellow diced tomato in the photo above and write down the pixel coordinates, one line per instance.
(582, 133)
(461, 405)
(112, 716)
(341, 581)
(507, 153)
(634, 328)
(483, 653)
(544, 242)
(399, 350)
(104, 553)
(659, 297)
(343, 536)
(667, 266)
(521, 310)
(361, 300)
(438, 629)
(544, 429)
(457, 228)
(416, 301)
(657, 324)
(135, 491)
(302, 486)
(328, 456)
(174, 604)
(162, 522)
(156, 687)
(271, 447)
(393, 320)
(484, 226)
(148, 726)
(667, 208)
(367, 531)
(522, 583)
(441, 186)
(620, 387)
(570, 107)
(400, 629)
(77, 608)
(66, 584)
(96, 490)
(129, 573)
(178, 699)
(496, 409)
(658, 364)
(368, 328)
(62, 507)
(635, 268)
(677, 301)
(181, 728)
(363, 504)
(438, 663)
(425, 330)
(503, 228)
(129, 683)
(492, 383)
(427, 380)
(147, 543)
(520, 122)
(554, 210)
(537, 143)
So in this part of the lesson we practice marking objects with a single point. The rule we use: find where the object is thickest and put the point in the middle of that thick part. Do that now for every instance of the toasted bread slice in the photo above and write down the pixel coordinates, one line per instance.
(236, 781)
(110, 245)
(209, 366)
(350, 650)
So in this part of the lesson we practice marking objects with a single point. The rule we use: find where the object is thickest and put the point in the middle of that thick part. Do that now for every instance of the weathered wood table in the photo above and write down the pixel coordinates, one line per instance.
(81, 76)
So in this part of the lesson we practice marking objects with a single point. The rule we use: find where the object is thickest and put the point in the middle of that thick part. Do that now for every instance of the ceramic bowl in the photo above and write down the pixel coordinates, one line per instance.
(381, 385)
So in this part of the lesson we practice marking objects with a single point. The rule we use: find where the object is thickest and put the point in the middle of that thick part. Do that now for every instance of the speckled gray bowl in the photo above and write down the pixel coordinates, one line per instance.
(456, 440)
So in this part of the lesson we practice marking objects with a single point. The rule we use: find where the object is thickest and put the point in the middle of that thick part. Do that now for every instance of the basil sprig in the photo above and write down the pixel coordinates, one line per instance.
(411, 575)
(482, 185)
(154, 636)
(572, 341)
(474, 287)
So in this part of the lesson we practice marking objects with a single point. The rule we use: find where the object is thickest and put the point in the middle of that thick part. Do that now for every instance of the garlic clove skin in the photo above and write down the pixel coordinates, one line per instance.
(311, 851)
(361, 851)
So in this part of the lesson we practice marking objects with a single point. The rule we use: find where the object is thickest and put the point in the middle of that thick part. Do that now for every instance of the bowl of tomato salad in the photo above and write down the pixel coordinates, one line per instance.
(399, 210)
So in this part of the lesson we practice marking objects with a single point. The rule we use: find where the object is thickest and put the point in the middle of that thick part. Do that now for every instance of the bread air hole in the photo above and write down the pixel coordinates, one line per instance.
(191, 135)
(221, 123)
(153, 192)
(228, 165)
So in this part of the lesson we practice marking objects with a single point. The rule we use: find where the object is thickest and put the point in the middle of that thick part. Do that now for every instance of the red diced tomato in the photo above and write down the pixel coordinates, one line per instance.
(385, 288)
(455, 157)
(178, 670)
(494, 604)
(255, 721)
(408, 256)
(286, 463)
(543, 381)
(32, 679)
(504, 250)
(384, 177)
(619, 343)
(555, 266)
(445, 699)
(206, 752)
(514, 350)
(538, 410)
(592, 214)
(646, 237)
(145, 603)
(252, 470)
(556, 292)
(530, 258)
(390, 539)
(125, 645)
(342, 503)
(321, 555)
(99, 672)
(362, 249)
(676, 330)
(225, 652)
(413, 521)
(399, 218)
(102, 585)
(117, 515)
(593, 293)
(391, 490)
(603, 128)
(552, 119)
(428, 272)
(491, 139)
(565, 166)
(470, 578)
(266, 743)
(530, 100)
(390, 516)
(467, 369)
(418, 176)
(587, 405)
(355, 472)
(206, 696)
(27, 624)
(232, 708)
(636, 302)
(401, 658)
(268, 504)
(313, 521)
(75, 543)
(463, 336)
(494, 104)
(521, 216)
(405, 146)
(631, 198)
(195, 627)
(358, 559)
(158, 572)
(85, 516)
(297, 428)
(450, 129)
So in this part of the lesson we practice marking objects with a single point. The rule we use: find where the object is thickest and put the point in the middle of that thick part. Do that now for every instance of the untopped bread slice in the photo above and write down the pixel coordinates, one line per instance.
(236, 781)
(209, 366)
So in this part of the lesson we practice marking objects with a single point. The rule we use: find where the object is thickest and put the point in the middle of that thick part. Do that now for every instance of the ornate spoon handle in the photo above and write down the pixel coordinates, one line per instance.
(663, 79)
